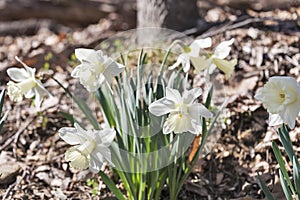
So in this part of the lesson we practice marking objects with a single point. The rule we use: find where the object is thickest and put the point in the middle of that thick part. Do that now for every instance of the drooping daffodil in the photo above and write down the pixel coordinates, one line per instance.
(184, 113)
(95, 68)
(191, 51)
(281, 97)
(214, 60)
(91, 148)
(25, 84)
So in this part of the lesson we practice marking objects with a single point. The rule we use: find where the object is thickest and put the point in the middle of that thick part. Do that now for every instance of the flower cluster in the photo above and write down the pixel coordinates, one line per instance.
(91, 147)
(281, 97)
(208, 61)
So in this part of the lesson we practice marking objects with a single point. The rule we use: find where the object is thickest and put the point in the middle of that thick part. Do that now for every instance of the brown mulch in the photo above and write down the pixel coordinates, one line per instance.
(265, 47)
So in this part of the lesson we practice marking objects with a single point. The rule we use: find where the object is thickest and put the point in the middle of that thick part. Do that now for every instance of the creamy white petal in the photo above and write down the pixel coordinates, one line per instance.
(203, 43)
(161, 107)
(38, 97)
(41, 86)
(170, 124)
(194, 49)
(197, 109)
(75, 72)
(17, 74)
(29, 70)
(70, 136)
(211, 69)
(223, 49)
(258, 94)
(197, 45)
(184, 60)
(176, 64)
(30, 94)
(83, 54)
(113, 69)
(106, 136)
(102, 152)
(290, 114)
(275, 119)
(79, 128)
(196, 127)
(186, 65)
(95, 165)
(189, 96)
(173, 95)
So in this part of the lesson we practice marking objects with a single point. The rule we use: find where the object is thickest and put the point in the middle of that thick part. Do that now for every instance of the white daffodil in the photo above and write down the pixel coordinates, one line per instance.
(191, 51)
(91, 147)
(281, 97)
(25, 84)
(216, 60)
(95, 68)
(184, 112)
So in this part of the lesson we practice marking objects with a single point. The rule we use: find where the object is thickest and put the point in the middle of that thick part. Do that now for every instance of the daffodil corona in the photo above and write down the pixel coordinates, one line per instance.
(216, 59)
(91, 147)
(185, 114)
(281, 97)
(25, 84)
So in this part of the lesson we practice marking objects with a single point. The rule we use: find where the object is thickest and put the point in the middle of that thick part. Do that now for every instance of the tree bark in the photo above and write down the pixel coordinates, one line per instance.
(173, 14)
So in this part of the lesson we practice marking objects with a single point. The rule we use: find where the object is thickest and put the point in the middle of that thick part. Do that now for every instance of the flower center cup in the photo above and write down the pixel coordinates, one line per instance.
(182, 109)
(26, 85)
(17, 90)
(79, 156)
(87, 147)
(282, 96)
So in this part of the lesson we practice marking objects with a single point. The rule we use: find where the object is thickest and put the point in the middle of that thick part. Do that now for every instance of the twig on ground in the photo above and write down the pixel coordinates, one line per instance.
(17, 134)
(14, 185)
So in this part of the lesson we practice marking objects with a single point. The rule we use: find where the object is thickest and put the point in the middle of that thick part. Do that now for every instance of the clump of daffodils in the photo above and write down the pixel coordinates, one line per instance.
(205, 60)
(184, 112)
(281, 97)
(148, 152)
(95, 68)
(91, 147)
(25, 84)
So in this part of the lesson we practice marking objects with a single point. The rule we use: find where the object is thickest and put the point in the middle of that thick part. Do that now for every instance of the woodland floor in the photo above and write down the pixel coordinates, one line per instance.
(267, 44)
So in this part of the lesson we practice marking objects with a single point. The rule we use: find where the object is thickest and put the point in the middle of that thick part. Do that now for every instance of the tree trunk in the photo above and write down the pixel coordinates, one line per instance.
(173, 14)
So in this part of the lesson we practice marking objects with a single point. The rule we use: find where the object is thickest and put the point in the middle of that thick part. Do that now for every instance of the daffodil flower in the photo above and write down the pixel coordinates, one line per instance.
(95, 68)
(25, 84)
(215, 60)
(281, 97)
(191, 51)
(91, 147)
(185, 113)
